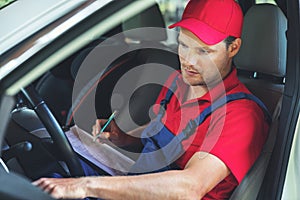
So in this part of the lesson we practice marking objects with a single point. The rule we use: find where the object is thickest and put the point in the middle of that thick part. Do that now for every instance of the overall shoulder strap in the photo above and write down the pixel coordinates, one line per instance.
(228, 98)
(191, 126)
(168, 96)
(169, 93)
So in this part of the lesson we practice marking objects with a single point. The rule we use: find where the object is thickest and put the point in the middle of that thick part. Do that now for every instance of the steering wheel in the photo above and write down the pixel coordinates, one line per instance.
(54, 129)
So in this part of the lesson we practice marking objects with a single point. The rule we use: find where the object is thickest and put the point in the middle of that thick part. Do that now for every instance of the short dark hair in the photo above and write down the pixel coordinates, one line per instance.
(228, 41)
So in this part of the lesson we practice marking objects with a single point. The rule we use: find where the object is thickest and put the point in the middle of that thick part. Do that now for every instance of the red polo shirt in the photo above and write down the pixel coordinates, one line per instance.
(235, 133)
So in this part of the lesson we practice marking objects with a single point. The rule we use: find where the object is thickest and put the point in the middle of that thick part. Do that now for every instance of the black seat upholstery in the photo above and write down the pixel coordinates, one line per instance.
(262, 57)
(261, 63)
(143, 47)
(55, 86)
(58, 98)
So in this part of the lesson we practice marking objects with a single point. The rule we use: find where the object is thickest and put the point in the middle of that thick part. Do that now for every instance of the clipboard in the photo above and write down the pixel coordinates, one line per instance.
(100, 154)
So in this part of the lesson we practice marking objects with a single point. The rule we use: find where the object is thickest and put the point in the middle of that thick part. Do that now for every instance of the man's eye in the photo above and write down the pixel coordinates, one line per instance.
(202, 51)
(183, 45)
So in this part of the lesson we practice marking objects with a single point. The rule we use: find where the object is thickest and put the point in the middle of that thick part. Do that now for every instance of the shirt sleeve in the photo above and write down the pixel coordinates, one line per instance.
(238, 136)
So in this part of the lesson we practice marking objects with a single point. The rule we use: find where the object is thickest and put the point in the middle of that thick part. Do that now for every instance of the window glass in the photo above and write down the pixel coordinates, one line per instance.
(291, 190)
(266, 1)
(4, 3)
(172, 10)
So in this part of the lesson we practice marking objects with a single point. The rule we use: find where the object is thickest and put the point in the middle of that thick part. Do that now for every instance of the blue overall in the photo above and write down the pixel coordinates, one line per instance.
(162, 148)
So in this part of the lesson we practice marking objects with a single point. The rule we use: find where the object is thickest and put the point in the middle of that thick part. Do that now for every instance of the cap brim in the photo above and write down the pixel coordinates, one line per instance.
(205, 33)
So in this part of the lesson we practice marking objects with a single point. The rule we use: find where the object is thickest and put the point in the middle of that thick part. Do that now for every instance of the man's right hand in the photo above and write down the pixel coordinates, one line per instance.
(112, 133)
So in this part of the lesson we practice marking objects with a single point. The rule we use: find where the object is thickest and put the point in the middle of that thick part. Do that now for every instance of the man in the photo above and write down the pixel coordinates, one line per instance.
(221, 148)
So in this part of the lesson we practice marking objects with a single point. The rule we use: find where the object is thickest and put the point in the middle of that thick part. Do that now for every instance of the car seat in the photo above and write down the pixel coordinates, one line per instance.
(261, 64)
(57, 98)
(143, 47)
(56, 86)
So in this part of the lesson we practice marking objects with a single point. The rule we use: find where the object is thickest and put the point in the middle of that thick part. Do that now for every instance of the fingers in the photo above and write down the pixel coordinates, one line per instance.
(101, 137)
(97, 127)
(45, 184)
(110, 135)
(61, 187)
(104, 137)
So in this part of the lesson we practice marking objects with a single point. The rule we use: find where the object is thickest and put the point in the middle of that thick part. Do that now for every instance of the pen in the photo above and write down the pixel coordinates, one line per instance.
(112, 116)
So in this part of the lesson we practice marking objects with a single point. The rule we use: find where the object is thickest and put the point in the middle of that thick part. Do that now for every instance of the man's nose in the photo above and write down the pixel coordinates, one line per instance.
(189, 58)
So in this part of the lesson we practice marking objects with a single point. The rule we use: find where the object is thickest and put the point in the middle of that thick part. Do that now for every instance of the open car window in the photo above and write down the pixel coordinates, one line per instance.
(55, 51)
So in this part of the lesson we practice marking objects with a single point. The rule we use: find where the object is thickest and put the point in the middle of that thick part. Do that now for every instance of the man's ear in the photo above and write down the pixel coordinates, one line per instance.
(234, 47)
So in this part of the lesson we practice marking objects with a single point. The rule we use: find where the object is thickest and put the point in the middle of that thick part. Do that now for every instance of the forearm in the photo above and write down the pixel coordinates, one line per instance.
(200, 175)
(166, 185)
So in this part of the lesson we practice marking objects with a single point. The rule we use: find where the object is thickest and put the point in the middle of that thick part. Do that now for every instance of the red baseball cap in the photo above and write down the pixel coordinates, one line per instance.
(212, 20)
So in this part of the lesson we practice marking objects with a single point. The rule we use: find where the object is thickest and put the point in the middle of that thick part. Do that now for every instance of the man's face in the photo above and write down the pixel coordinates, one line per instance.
(202, 64)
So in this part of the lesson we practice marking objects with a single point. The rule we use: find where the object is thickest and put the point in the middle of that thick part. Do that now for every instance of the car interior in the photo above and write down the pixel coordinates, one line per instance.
(47, 88)
(29, 150)
(262, 66)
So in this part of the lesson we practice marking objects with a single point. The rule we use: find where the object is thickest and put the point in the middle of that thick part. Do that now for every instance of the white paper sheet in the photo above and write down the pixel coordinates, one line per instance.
(102, 155)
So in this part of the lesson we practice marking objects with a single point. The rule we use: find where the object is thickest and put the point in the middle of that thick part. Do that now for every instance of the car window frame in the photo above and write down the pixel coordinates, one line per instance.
(32, 68)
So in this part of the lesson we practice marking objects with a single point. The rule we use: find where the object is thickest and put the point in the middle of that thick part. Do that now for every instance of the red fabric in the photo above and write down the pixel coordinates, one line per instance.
(234, 133)
(212, 21)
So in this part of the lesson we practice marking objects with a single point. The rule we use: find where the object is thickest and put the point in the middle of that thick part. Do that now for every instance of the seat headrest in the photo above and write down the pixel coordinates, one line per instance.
(264, 41)
(151, 17)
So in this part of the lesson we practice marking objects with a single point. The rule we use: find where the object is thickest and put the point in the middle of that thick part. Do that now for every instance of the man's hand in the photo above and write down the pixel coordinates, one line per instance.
(65, 188)
(201, 174)
(111, 134)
